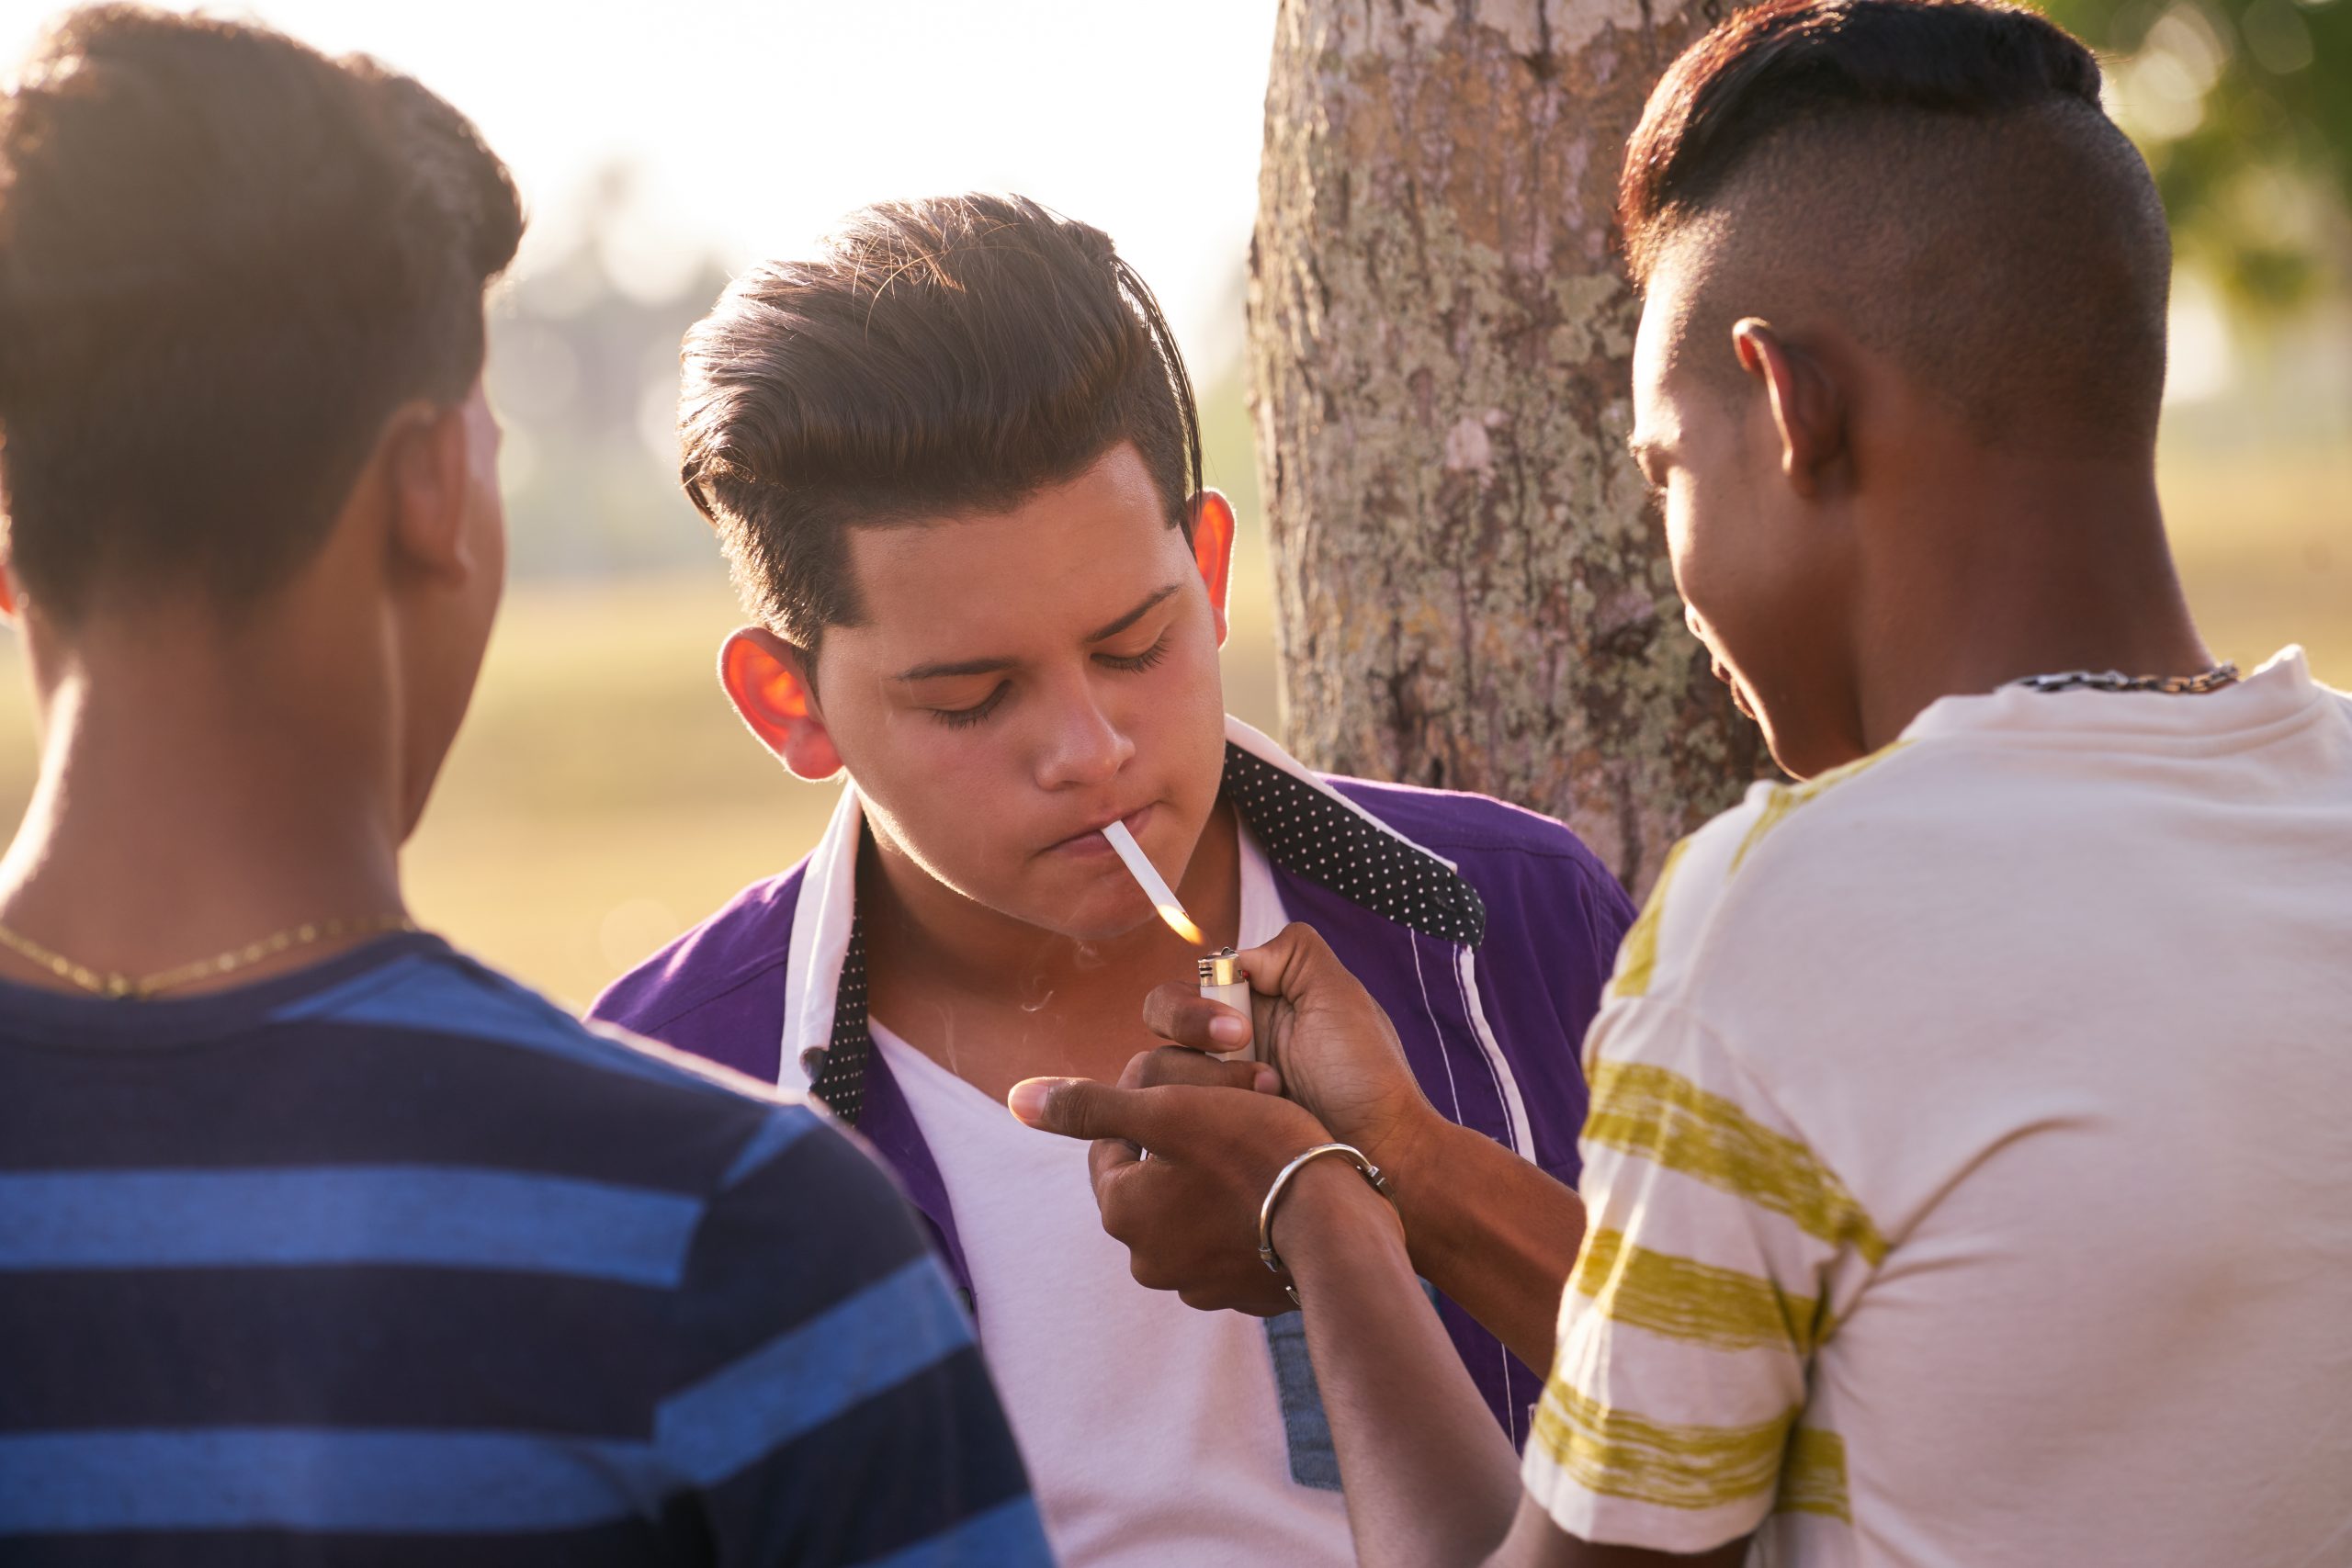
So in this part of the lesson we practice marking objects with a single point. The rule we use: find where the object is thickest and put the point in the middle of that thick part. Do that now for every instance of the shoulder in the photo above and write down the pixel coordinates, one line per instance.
(1446, 820)
(747, 942)
(817, 1343)
(584, 1092)
(1513, 856)
(799, 1173)
(1773, 876)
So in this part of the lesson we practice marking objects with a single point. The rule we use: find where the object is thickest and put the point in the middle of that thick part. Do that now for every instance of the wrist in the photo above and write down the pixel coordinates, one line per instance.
(1426, 1181)
(1328, 1209)
(1406, 1144)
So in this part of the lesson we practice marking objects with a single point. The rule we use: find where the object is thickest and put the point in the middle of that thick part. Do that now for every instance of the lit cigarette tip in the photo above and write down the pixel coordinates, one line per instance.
(1180, 925)
(1155, 886)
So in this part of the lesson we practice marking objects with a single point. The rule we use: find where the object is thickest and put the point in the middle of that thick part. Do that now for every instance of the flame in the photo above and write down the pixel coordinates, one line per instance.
(1182, 926)
(1155, 886)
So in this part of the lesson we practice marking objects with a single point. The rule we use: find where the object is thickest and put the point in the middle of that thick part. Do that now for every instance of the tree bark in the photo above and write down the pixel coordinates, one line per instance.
(1470, 583)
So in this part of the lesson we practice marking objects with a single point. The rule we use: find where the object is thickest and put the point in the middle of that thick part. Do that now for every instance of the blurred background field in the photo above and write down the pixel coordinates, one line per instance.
(603, 797)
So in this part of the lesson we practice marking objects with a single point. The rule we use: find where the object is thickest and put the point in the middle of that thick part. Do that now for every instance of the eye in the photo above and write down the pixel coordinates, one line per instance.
(964, 718)
(1134, 661)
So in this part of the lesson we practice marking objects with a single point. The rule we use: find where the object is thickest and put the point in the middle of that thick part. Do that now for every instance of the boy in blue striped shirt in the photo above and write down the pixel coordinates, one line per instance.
(319, 1242)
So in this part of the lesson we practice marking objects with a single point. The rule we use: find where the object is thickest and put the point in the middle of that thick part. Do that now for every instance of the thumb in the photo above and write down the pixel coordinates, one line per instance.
(1080, 1108)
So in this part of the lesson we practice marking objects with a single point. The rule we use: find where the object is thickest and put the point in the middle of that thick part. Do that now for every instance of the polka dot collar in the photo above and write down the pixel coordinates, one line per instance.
(1314, 834)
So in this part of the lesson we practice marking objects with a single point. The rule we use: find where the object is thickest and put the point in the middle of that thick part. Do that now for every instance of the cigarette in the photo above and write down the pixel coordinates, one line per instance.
(1154, 887)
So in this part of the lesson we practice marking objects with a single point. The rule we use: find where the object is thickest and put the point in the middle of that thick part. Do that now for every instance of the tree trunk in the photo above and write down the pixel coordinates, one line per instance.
(1471, 582)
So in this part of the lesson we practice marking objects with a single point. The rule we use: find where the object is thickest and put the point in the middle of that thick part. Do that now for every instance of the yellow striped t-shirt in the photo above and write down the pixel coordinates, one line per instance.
(1969, 1168)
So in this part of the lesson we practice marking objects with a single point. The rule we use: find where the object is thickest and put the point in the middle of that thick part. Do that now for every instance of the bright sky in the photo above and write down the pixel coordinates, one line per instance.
(754, 123)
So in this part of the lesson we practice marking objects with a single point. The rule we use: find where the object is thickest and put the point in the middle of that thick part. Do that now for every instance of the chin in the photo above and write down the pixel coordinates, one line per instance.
(1105, 928)
(1101, 916)
(415, 794)
(1803, 754)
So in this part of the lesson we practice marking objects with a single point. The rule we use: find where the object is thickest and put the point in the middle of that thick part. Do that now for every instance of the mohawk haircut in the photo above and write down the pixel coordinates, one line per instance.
(937, 357)
(1941, 175)
(225, 259)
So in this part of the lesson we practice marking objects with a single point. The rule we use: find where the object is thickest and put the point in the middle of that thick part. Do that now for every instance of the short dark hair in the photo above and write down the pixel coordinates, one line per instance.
(1946, 167)
(950, 355)
(224, 260)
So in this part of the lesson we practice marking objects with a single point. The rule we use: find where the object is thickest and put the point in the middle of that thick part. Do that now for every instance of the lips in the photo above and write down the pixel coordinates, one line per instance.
(1091, 835)
(1738, 692)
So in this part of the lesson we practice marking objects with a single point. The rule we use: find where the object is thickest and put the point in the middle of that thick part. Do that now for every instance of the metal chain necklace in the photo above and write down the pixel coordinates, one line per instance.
(119, 986)
(2213, 680)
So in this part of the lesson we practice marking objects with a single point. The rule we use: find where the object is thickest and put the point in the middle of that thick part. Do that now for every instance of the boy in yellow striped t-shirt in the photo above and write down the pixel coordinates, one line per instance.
(1968, 1177)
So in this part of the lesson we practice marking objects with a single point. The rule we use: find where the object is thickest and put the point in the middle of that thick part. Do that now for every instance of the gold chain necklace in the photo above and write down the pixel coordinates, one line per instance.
(141, 987)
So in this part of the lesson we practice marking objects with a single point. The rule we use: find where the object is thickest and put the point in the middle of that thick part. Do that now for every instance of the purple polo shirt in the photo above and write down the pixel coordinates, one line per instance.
(1486, 932)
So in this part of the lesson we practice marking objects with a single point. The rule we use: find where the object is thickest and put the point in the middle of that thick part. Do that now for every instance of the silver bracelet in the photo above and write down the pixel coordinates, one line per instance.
(1354, 1155)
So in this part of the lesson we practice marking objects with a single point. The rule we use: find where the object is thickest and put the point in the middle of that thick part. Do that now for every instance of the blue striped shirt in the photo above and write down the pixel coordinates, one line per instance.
(390, 1261)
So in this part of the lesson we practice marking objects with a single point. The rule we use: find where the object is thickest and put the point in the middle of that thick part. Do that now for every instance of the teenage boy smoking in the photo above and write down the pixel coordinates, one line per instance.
(953, 458)
(1968, 1170)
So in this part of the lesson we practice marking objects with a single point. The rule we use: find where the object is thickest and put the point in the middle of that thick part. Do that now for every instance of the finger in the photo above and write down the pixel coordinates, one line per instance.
(1080, 1108)
(1291, 963)
(1134, 1199)
(1107, 1159)
(1175, 1065)
(1181, 1014)
(1259, 1303)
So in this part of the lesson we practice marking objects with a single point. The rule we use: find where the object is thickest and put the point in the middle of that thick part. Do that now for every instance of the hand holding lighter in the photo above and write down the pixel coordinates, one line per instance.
(1223, 981)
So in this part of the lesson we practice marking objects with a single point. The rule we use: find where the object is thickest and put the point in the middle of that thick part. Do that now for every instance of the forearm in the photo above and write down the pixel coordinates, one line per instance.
(1430, 1477)
(1491, 1231)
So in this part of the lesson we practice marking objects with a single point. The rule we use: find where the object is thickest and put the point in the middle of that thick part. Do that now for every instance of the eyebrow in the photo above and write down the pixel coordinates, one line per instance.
(937, 672)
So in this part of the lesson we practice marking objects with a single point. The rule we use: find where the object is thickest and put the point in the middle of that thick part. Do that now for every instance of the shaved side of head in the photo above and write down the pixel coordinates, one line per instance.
(1939, 176)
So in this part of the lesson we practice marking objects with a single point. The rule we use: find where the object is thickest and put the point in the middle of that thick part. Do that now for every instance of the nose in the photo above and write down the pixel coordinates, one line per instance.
(1084, 748)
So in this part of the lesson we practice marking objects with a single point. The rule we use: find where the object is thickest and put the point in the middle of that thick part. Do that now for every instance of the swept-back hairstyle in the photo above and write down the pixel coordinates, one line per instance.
(225, 259)
(937, 357)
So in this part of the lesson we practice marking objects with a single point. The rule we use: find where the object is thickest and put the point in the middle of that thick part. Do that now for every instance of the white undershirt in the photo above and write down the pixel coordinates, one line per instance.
(1153, 1433)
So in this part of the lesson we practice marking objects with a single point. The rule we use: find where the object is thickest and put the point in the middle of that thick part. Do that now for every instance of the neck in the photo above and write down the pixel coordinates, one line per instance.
(194, 798)
(2049, 567)
(922, 937)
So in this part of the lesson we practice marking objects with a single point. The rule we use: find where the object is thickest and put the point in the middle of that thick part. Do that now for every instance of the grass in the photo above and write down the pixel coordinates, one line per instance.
(603, 797)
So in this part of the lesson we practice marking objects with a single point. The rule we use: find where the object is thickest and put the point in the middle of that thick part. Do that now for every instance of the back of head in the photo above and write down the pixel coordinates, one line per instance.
(225, 260)
(1939, 176)
(939, 357)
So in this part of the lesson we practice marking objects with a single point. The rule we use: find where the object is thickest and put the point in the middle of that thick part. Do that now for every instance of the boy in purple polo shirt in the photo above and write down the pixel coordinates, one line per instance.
(953, 461)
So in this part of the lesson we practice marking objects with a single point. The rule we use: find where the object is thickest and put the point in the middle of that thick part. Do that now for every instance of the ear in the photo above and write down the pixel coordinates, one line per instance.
(767, 680)
(428, 464)
(1212, 527)
(1807, 409)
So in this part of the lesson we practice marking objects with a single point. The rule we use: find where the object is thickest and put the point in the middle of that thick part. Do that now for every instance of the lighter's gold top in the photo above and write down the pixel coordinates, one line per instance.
(1222, 968)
